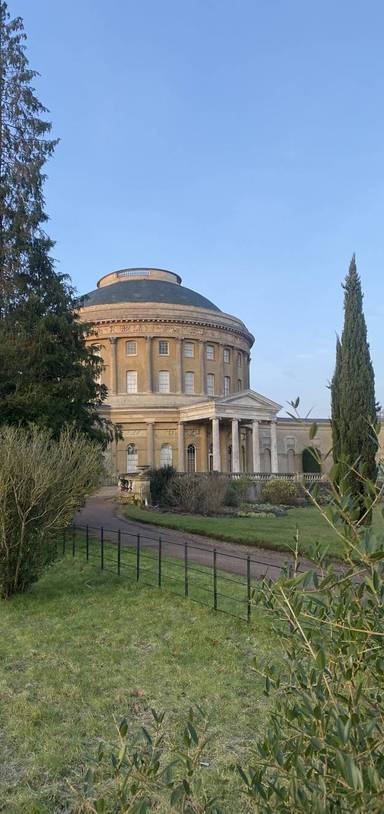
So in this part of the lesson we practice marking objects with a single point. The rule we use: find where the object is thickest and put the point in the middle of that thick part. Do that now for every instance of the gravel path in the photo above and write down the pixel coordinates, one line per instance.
(102, 509)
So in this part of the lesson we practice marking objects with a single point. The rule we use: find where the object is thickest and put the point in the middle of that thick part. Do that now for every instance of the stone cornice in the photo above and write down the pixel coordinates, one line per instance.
(142, 313)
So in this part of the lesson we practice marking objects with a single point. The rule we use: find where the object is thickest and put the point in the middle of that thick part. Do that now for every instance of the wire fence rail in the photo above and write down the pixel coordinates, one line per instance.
(225, 582)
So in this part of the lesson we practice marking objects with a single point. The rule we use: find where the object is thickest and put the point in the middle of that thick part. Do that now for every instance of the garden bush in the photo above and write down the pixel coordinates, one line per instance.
(42, 484)
(236, 492)
(278, 491)
(196, 494)
(159, 480)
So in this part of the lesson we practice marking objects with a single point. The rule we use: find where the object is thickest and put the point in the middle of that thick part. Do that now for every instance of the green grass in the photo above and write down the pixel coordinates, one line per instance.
(270, 532)
(76, 650)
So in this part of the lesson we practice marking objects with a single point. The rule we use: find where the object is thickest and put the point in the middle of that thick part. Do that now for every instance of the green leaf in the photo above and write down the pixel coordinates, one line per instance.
(321, 659)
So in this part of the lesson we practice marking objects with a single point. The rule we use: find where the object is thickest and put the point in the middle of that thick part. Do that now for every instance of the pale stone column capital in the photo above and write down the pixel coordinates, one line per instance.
(235, 445)
(216, 445)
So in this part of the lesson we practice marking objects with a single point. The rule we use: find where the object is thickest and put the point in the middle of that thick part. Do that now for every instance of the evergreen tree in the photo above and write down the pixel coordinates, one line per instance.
(24, 149)
(354, 408)
(48, 376)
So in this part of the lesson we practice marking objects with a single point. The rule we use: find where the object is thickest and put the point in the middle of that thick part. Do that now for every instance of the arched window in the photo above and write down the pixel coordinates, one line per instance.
(210, 458)
(227, 385)
(191, 458)
(267, 461)
(166, 455)
(239, 385)
(132, 458)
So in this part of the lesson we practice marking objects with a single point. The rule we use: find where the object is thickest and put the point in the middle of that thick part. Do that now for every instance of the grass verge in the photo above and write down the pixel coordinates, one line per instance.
(269, 532)
(83, 647)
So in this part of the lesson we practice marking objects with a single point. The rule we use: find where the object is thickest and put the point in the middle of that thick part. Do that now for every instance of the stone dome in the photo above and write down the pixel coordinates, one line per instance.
(139, 285)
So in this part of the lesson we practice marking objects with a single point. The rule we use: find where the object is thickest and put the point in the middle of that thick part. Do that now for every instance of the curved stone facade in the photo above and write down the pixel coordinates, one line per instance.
(178, 376)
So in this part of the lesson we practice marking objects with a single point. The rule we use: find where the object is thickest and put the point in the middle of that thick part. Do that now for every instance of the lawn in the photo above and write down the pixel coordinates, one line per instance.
(269, 532)
(85, 647)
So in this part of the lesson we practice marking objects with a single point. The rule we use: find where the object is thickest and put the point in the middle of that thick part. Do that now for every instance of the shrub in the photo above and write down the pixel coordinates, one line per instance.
(42, 484)
(159, 480)
(236, 491)
(197, 494)
(139, 775)
(277, 491)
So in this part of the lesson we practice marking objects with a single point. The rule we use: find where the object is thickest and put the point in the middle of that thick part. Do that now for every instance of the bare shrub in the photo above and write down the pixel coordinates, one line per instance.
(197, 494)
(42, 484)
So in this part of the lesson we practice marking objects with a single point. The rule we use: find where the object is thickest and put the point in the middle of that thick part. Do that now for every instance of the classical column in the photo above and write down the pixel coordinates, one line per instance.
(216, 445)
(180, 448)
(149, 363)
(248, 357)
(204, 448)
(235, 446)
(274, 458)
(113, 341)
(202, 368)
(179, 366)
(151, 444)
(256, 447)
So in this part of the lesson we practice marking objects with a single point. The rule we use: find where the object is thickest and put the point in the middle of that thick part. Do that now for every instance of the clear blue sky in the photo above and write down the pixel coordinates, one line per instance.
(239, 143)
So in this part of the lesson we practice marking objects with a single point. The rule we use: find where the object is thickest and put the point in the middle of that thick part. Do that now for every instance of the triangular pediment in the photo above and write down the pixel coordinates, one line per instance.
(249, 398)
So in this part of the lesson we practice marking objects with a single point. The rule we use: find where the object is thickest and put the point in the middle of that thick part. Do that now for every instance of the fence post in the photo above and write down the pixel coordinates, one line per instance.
(214, 580)
(160, 551)
(64, 540)
(87, 543)
(73, 541)
(118, 552)
(138, 558)
(186, 585)
(102, 548)
(248, 588)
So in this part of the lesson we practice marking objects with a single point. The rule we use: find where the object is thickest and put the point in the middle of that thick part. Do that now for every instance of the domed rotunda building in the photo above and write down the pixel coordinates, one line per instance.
(177, 370)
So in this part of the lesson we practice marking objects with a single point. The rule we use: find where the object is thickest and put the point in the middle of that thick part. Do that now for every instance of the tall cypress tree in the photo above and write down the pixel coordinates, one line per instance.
(353, 394)
(48, 376)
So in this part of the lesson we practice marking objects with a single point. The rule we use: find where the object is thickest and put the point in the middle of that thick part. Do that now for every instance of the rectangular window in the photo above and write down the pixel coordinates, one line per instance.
(189, 349)
(163, 347)
(227, 385)
(239, 360)
(211, 384)
(210, 352)
(227, 356)
(164, 381)
(131, 348)
(239, 385)
(131, 381)
(189, 382)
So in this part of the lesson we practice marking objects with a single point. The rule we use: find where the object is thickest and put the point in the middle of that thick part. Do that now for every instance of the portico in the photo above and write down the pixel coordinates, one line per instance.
(237, 430)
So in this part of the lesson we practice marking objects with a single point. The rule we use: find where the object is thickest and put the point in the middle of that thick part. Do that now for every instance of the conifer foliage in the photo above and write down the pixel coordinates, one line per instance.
(353, 393)
(48, 375)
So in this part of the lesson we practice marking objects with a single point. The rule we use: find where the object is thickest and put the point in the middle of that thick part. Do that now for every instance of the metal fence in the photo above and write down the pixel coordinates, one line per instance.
(225, 582)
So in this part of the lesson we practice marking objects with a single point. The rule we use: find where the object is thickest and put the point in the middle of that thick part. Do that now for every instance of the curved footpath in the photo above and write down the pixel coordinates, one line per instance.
(102, 509)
